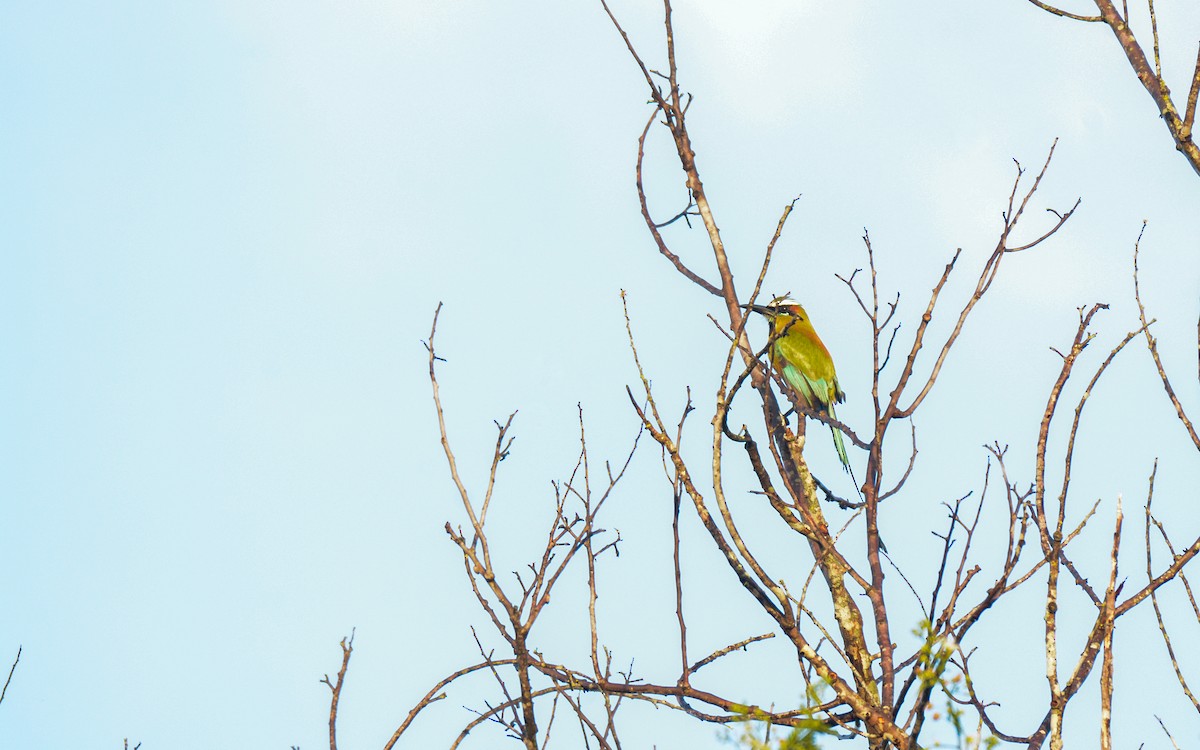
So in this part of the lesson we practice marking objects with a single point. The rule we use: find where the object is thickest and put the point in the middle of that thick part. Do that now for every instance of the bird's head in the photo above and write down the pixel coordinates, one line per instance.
(781, 308)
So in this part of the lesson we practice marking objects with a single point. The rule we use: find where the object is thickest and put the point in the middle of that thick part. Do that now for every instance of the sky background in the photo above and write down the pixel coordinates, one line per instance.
(225, 227)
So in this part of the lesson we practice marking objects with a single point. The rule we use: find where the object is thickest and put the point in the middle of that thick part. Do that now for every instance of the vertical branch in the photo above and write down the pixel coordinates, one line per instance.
(1157, 59)
(476, 522)
(683, 653)
(1189, 117)
(529, 728)
(1052, 540)
(478, 563)
(336, 688)
(590, 553)
(1106, 667)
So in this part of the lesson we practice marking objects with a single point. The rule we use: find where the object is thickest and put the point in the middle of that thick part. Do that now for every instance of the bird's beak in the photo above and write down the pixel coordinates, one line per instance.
(761, 309)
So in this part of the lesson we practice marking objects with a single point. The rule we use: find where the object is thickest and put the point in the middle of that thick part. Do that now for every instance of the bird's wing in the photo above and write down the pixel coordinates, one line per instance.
(808, 368)
(812, 392)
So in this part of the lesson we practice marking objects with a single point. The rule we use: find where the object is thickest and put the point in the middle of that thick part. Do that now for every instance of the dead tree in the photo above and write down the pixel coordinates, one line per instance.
(867, 676)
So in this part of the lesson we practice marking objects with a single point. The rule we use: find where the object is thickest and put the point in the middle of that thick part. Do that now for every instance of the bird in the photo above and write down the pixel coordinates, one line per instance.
(804, 361)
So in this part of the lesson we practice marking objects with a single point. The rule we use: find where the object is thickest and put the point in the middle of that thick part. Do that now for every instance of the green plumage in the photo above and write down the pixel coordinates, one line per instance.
(801, 356)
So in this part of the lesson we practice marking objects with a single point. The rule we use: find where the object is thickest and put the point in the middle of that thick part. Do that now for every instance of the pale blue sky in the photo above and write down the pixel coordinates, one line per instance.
(225, 227)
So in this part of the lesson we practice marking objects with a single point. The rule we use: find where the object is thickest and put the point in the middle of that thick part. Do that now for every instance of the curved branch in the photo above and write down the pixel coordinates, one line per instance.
(1065, 14)
(435, 694)
(653, 227)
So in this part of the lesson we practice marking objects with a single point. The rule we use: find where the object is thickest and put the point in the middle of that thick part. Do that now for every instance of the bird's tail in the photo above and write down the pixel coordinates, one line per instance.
(841, 447)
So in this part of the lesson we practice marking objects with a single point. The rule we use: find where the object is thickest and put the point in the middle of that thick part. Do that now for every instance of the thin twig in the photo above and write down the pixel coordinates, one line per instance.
(10, 673)
(1162, 626)
(1065, 14)
(1152, 345)
(728, 650)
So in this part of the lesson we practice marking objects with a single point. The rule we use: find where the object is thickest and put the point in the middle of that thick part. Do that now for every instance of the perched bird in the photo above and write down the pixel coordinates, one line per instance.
(801, 357)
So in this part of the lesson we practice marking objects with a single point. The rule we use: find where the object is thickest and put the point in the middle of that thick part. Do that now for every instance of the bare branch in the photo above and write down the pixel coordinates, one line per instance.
(1189, 117)
(336, 688)
(912, 461)
(652, 226)
(1106, 667)
(436, 694)
(986, 276)
(1187, 587)
(1153, 83)
(1152, 344)
(1065, 14)
(728, 650)
(1174, 744)
(677, 502)
(16, 661)
(1162, 627)
(1154, 33)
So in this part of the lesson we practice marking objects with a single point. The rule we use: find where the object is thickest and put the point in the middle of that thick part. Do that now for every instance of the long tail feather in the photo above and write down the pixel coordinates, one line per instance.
(841, 447)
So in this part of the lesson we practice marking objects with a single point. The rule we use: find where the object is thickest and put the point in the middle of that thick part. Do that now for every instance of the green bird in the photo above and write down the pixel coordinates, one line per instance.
(804, 361)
